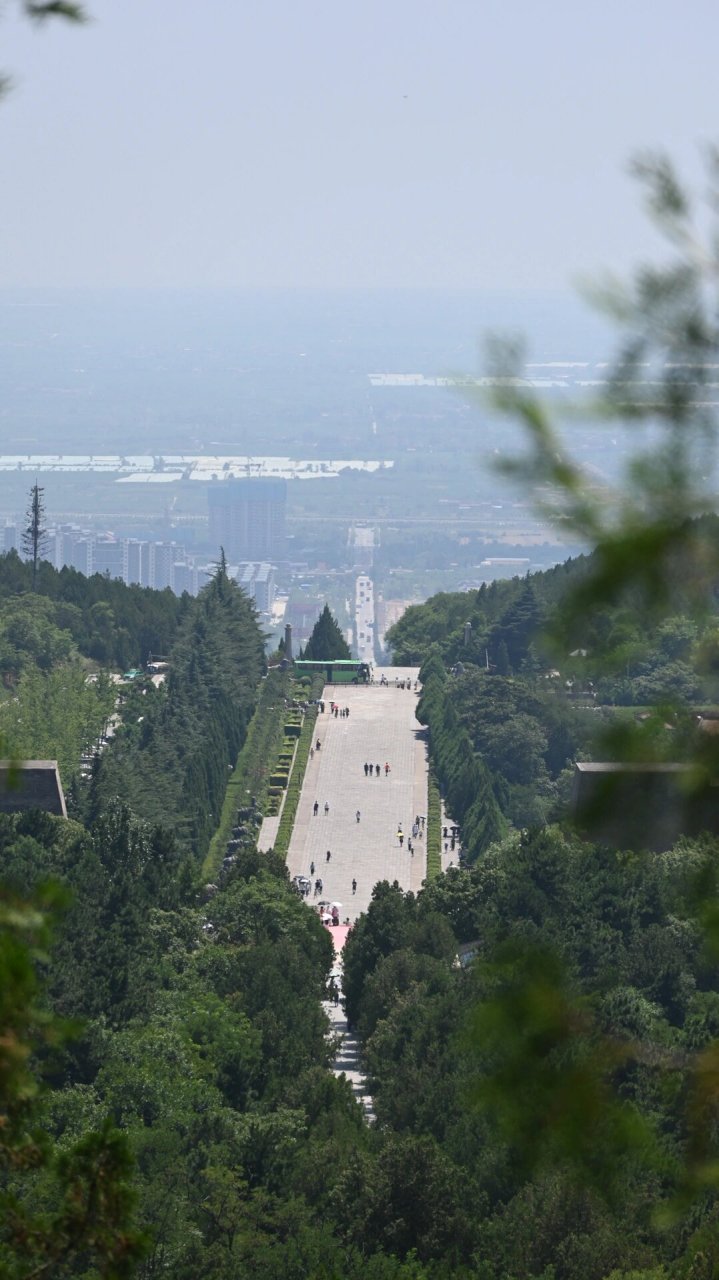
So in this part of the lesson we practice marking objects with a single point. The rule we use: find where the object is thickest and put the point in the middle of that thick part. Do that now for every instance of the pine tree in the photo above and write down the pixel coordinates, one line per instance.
(34, 535)
(326, 642)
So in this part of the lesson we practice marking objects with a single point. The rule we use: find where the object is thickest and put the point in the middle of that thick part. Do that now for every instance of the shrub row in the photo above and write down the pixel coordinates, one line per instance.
(253, 766)
(465, 780)
(292, 796)
(434, 827)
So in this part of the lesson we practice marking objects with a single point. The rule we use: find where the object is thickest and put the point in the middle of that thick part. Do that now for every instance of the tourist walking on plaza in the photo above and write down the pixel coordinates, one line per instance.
(358, 815)
(327, 808)
(354, 886)
(377, 769)
(329, 855)
(316, 807)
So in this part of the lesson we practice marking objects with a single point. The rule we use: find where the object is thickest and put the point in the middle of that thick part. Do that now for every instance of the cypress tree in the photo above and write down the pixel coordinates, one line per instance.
(326, 642)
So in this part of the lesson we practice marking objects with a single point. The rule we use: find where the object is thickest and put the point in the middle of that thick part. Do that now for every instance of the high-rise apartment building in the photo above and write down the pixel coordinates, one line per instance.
(247, 518)
(132, 560)
(110, 558)
(185, 578)
(138, 562)
(162, 559)
(258, 582)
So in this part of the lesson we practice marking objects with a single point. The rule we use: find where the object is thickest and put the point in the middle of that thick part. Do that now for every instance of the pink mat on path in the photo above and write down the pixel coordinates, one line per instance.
(339, 935)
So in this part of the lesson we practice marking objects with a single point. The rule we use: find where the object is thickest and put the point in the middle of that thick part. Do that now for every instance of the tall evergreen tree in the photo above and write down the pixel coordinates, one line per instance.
(33, 538)
(518, 626)
(326, 642)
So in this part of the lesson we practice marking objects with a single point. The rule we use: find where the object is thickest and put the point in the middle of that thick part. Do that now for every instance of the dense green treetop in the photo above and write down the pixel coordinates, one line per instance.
(171, 757)
(326, 641)
(101, 618)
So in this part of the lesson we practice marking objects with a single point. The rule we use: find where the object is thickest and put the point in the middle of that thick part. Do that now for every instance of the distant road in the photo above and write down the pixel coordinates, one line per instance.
(364, 618)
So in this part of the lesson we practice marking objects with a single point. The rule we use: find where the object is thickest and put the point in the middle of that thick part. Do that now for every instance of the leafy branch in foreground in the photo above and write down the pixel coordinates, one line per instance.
(548, 1076)
(39, 11)
(661, 385)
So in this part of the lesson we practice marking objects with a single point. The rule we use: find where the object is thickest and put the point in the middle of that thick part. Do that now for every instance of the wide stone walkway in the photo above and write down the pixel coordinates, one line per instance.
(380, 728)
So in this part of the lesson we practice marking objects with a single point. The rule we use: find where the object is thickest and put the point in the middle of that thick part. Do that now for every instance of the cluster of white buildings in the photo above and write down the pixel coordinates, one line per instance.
(134, 560)
(142, 562)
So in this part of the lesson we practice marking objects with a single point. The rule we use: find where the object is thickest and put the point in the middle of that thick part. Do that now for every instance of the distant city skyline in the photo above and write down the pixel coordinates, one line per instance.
(402, 145)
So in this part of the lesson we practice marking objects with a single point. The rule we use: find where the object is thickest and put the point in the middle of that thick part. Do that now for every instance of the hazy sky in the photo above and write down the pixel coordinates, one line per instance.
(476, 143)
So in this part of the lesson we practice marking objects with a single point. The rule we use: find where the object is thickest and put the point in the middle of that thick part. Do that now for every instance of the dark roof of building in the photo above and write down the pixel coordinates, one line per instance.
(643, 805)
(31, 784)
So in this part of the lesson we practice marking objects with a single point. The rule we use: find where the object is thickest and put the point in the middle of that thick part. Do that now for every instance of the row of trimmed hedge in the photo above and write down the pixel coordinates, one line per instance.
(299, 691)
(253, 766)
(465, 779)
(294, 787)
(434, 827)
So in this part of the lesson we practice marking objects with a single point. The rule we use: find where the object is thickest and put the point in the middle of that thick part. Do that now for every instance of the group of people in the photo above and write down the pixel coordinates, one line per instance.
(373, 770)
(399, 684)
(417, 833)
(450, 836)
(336, 711)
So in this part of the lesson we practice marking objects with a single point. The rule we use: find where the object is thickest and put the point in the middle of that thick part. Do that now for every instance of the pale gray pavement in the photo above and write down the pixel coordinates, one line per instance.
(381, 727)
(268, 831)
(347, 1062)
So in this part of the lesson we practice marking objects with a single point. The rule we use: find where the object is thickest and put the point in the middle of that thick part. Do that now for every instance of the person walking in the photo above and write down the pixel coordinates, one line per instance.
(386, 768)
(316, 807)
(354, 886)
(366, 770)
(400, 837)
(318, 744)
(312, 868)
(358, 815)
(377, 770)
(327, 808)
(329, 855)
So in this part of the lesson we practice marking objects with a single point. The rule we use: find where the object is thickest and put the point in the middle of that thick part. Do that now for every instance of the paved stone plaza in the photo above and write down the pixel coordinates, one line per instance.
(381, 727)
